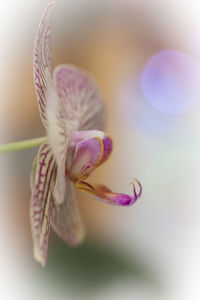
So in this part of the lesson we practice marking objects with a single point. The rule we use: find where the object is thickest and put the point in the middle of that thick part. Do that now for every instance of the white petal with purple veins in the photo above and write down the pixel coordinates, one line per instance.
(41, 182)
(42, 59)
(58, 135)
(65, 218)
(82, 103)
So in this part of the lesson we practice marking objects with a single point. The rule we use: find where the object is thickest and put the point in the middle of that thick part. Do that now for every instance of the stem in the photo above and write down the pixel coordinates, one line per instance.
(22, 145)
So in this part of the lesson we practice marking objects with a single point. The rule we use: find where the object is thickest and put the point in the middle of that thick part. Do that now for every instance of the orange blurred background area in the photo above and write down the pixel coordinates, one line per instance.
(150, 250)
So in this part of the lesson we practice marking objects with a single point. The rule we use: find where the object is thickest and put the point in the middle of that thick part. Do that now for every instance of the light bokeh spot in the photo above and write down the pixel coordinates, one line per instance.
(170, 82)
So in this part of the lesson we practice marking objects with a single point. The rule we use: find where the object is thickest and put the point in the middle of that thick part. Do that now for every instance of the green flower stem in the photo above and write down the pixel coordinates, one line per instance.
(22, 145)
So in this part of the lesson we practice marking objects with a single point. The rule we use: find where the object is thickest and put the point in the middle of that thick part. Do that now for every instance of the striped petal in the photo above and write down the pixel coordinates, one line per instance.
(104, 194)
(59, 136)
(82, 102)
(42, 59)
(87, 156)
(65, 218)
(41, 187)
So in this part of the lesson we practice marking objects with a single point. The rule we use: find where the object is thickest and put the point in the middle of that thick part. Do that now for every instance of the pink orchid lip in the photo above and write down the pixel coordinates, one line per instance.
(79, 136)
(107, 145)
(88, 153)
(104, 194)
(87, 156)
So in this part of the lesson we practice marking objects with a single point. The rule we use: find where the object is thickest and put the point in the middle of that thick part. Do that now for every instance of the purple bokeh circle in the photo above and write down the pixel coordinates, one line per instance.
(170, 82)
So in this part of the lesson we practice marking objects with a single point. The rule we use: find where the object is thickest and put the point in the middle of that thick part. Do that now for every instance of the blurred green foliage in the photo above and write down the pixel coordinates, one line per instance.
(88, 267)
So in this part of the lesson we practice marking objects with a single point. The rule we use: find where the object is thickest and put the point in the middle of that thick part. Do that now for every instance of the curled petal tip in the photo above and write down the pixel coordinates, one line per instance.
(51, 5)
(135, 193)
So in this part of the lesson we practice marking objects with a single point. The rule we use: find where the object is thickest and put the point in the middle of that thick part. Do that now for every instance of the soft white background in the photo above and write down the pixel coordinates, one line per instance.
(163, 229)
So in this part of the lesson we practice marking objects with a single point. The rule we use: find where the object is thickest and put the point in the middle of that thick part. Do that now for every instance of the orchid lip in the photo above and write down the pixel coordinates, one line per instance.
(104, 194)
(89, 153)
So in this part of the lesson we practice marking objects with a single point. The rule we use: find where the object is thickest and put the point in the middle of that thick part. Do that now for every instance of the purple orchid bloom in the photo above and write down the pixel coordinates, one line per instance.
(73, 114)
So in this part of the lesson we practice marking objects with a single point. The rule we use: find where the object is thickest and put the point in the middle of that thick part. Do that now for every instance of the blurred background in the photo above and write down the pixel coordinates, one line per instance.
(145, 56)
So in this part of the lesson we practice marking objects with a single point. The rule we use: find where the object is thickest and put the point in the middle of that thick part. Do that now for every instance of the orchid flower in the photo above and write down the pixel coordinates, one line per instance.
(73, 114)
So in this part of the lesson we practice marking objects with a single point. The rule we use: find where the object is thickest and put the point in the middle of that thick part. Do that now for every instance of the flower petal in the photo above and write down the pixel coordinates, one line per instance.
(79, 136)
(82, 102)
(41, 185)
(102, 193)
(65, 218)
(59, 136)
(107, 148)
(42, 59)
(87, 156)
